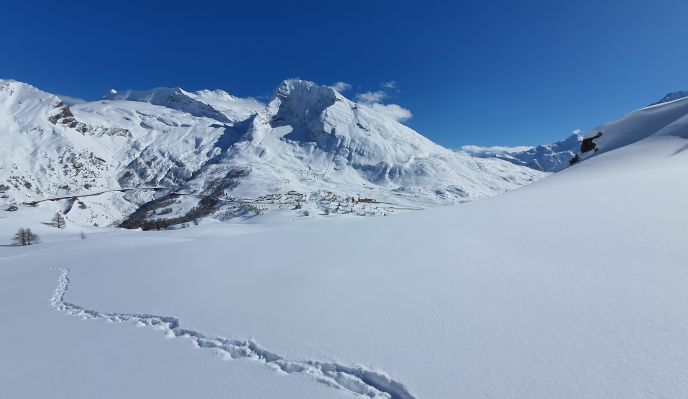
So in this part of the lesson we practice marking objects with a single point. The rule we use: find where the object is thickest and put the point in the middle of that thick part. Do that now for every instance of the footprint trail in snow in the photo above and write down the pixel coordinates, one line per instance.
(355, 379)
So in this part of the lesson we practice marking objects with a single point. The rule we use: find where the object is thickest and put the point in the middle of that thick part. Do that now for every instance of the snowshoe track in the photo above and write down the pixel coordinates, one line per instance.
(355, 379)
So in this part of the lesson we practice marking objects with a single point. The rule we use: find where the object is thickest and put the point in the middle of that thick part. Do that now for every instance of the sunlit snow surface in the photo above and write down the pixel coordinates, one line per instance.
(571, 287)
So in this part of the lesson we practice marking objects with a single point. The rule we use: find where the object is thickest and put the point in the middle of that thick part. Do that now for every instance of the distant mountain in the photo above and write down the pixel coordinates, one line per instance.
(167, 156)
(547, 158)
(200, 104)
(672, 96)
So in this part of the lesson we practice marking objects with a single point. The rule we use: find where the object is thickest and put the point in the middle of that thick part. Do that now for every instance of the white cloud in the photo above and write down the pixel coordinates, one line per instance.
(371, 97)
(340, 86)
(476, 149)
(394, 111)
(373, 100)
(392, 84)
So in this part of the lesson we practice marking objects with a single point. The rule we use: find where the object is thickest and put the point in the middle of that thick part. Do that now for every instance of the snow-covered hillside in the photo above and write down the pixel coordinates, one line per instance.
(47, 153)
(672, 96)
(664, 119)
(178, 156)
(548, 157)
(572, 287)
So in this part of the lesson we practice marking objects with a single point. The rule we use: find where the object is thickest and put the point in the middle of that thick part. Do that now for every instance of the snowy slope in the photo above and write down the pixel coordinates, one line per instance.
(676, 95)
(548, 157)
(214, 104)
(572, 287)
(212, 154)
(174, 98)
(47, 153)
(665, 119)
(235, 108)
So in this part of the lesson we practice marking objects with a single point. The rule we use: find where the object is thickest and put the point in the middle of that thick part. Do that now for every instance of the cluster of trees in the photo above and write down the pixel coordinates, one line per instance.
(139, 219)
(25, 236)
(206, 206)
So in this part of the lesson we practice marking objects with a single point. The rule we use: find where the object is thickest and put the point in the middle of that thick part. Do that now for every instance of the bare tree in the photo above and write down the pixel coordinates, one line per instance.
(26, 237)
(20, 237)
(59, 221)
(32, 237)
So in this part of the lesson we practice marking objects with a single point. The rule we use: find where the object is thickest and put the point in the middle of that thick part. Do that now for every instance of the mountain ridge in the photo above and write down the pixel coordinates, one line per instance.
(309, 140)
(552, 157)
(675, 95)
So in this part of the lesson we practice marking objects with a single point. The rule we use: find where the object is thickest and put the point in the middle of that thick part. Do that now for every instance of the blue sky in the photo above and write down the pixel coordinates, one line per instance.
(469, 72)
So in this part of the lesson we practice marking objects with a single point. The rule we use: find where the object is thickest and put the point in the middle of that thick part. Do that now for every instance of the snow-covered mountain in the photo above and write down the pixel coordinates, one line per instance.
(672, 96)
(176, 156)
(47, 153)
(548, 157)
(572, 287)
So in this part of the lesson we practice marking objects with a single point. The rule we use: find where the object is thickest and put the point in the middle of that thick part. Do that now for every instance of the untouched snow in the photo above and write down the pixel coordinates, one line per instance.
(572, 287)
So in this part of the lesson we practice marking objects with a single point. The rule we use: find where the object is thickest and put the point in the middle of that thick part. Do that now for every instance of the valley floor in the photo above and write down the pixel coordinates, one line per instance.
(572, 287)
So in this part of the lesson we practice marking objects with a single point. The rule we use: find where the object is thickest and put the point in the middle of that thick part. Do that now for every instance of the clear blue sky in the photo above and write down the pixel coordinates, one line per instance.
(471, 72)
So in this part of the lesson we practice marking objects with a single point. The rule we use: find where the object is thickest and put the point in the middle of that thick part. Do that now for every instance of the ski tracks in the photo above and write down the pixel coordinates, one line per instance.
(354, 379)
